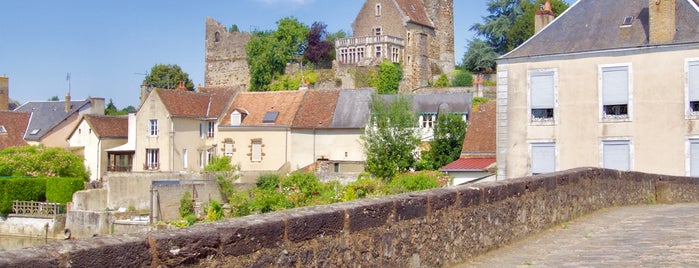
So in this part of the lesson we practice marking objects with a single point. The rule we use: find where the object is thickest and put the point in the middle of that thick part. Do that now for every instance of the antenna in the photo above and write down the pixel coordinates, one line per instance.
(68, 79)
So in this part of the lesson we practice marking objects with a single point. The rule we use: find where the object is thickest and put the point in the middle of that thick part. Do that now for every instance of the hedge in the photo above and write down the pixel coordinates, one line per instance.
(26, 189)
(60, 190)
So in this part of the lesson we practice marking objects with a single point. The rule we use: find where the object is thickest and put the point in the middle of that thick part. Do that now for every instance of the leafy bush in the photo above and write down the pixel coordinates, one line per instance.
(214, 211)
(31, 161)
(186, 205)
(410, 182)
(22, 189)
(443, 81)
(462, 78)
(268, 182)
(60, 190)
(219, 164)
(302, 188)
(368, 187)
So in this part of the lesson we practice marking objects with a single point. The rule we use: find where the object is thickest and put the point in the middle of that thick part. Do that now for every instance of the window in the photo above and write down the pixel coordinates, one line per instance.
(211, 125)
(693, 158)
(543, 157)
(153, 127)
(378, 9)
(378, 52)
(4, 131)
(377, 30)
(201, 130)
(360, 53)
(256, 151)
(427, 120)
(228, 148)
(616, 154)
(185, 161)
(217, 37)
(395, 56)
(615, 92)
(542, 87)
(152, 158)
(408, 38)
(693, 86)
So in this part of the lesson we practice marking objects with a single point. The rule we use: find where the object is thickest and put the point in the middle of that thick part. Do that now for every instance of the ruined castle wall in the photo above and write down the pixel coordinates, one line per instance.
(226, 58)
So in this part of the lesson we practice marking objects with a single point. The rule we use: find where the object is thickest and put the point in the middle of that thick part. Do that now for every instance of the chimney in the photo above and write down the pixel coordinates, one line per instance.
(180, 86)
(67, 103)
(4, 93)
(543, 17)
(662, 27)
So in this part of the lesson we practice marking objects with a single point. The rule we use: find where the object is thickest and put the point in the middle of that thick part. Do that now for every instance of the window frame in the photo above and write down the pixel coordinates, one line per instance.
(542, 143)
(688, 82)
(688, 154)
(617, 140)
(152, 159)
(553, 120)
(378, 10)
(210, 129)
(253, 157)
(153, 127)
(603, 117)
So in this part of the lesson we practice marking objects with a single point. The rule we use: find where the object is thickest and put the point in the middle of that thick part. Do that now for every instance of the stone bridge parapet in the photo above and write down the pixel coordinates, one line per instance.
(433, 228)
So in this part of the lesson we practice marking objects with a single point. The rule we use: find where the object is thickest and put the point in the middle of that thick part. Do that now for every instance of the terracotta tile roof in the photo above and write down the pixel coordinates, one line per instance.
(14, 124)
(182, 103)
(469, 164)
(109, 126)
(480, 135)
(257, 104)
(317, 109)
(416, 12)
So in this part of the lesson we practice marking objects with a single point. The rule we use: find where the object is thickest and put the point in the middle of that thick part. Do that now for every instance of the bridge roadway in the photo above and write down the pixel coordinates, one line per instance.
(638, 236)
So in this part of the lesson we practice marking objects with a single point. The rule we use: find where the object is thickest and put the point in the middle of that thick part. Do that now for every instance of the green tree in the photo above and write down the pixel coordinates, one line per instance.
(390, 139)
(32, 161)
(54, 98)
(388, 78)
(479, 57)
(443, 81)
(462, 78)
(234, 29)
(449, 132)
(168, 76)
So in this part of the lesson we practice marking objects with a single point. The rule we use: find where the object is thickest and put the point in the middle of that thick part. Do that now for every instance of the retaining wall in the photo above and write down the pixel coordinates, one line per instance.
(439, 227)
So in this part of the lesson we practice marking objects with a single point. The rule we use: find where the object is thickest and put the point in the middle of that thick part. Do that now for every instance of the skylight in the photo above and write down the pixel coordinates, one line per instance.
(35, 131)
(627, 21)
(3, 130)
(270, 117)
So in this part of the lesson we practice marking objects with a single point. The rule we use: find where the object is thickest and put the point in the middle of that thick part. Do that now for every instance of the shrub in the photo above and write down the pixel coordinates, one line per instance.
(22, 189)
(443, 81)
(60, 190)
(186, 205)
(410, 182)
(219, 164)
(241, 202)
(368, 187)
(41, 161)
(302, 188)
(268, 182)
(214, 211)
(268, 201)
(462, 78)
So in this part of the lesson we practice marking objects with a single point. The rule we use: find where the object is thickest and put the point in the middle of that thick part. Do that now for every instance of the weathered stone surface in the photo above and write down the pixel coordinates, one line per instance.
(249, 234)
(470, 196)
(410, 206)
(369, 213)
(183, 246)
(442, 198)
(306, 224)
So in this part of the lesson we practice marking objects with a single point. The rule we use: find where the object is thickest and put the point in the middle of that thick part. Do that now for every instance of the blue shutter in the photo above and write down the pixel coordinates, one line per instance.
(617, 155)
(542, 90)
(543, 158)
(615, 85)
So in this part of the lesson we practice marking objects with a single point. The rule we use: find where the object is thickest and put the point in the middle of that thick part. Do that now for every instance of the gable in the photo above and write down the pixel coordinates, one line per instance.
(14, 125)
(594, 25)
(415, 11)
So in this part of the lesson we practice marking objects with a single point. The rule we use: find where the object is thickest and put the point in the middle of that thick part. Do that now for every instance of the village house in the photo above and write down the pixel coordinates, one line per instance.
(13, 125)
(418, 34)
(176, 129)
(93, 136)
(606, 84)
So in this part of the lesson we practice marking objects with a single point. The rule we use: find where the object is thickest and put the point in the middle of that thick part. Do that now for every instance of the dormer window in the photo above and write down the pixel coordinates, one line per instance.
(236, 118)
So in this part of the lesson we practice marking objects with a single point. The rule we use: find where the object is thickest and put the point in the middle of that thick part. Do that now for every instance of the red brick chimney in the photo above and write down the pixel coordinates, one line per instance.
(662, 26)
(543, 17)
(180, 86)
(4, 93)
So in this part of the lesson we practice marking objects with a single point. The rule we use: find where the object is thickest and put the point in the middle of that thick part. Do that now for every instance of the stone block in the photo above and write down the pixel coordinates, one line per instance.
(410, 206)
(366, 214)
(30, 257)
(184, 246)
(470, 196)
(496, 192)
(307, 224)
(249, 234)
(442, 198)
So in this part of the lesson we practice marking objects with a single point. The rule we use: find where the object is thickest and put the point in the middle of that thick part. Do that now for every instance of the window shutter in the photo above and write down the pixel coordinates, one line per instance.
(615, 85)
(542, 90)
(256, 151)
(228, 149)
(617, 155)
(694, 158)
(543, 158)
(693, 77)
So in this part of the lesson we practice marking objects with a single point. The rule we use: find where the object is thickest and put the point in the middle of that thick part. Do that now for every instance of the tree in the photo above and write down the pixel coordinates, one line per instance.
(111, 109)
(390, 139)
(480, 57)
(319, 49)
(449, 132)
(41, 161)
(443, 81)
(54, 98)
(388, 78)
(168, 77)
(270, 51)
(233, 29)
(462, 78)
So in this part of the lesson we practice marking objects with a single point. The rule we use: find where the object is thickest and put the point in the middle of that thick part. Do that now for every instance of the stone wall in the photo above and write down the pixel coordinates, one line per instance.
(433, 228)
(226, 57)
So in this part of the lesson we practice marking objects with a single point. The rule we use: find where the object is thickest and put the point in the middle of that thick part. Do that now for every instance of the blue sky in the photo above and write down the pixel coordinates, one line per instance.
(108, 45)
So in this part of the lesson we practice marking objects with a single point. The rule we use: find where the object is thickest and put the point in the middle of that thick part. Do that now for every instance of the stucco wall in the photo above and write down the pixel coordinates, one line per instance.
(334, 144)
(658, 128)
(276, 145)
(133, 188)
(440, 227)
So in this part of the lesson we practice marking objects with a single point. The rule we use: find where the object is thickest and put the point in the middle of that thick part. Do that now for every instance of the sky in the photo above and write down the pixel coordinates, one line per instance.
(109, 46)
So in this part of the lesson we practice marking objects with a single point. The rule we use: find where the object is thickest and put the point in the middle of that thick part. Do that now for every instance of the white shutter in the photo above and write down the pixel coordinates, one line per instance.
(542, 90)
(543, 158)
(617, 155)
(615, 85)
(256, 151)
(694, 158)
(693, 77)
(228, 149)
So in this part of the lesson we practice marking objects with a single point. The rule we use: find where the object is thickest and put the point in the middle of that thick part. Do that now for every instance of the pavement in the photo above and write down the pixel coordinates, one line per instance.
(637, 236)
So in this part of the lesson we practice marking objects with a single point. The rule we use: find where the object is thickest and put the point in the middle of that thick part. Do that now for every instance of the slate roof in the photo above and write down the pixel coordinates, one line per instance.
(415, 11)
(352, 109)
(108, 126)
(48, 114)
(433, 102)
(15, 124)
(183, 103)
(317, 109)
(480, 135)
(470, 164)
(257, 104)
(593, 25)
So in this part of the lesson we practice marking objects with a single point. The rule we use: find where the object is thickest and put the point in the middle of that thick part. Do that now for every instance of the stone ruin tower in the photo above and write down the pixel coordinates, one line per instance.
(226, 58)
(418, 34)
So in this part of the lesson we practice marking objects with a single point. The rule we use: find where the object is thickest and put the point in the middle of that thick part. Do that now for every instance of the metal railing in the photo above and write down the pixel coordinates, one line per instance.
(35, 208)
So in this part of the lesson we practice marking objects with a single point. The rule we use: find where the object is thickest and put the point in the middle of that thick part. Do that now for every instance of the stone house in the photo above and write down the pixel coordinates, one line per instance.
(176, 129)
(52, 121)
(418, 34)
(606, 84)
(93, 136)
(477, 160)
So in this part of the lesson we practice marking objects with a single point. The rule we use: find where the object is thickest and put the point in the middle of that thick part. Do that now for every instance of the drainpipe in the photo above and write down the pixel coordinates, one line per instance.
(99, 158)
(172, 145)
